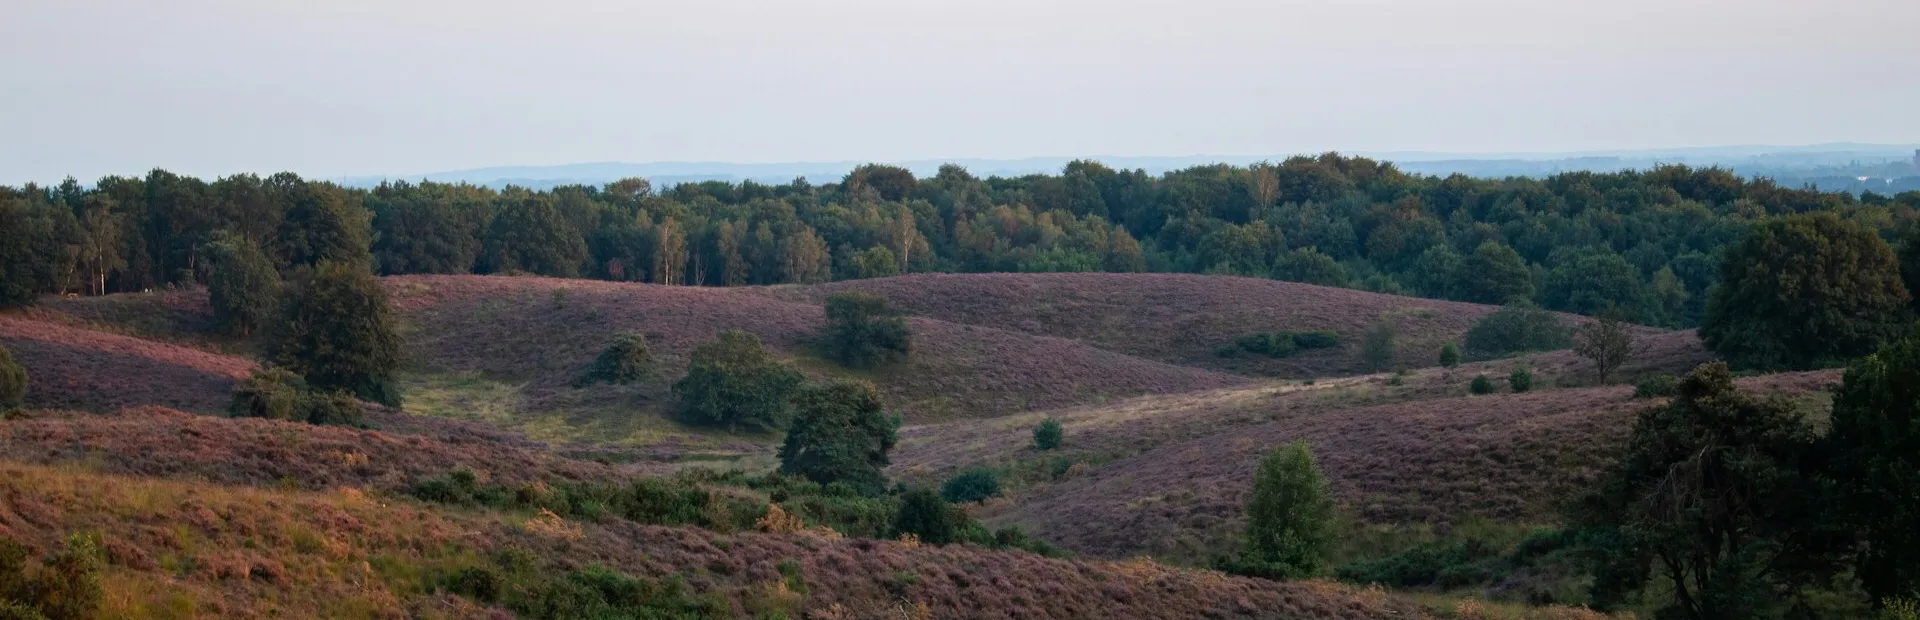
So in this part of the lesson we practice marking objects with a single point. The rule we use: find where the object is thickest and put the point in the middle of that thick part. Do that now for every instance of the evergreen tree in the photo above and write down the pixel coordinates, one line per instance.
(840, 434)
(864, 331)
(1804, 291)
(338, 333)
(733, 380)
(1875, 440)
(243, 289)
(1291, 526)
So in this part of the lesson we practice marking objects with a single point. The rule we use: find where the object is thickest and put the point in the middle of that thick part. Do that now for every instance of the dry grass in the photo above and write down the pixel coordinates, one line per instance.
(187, 549)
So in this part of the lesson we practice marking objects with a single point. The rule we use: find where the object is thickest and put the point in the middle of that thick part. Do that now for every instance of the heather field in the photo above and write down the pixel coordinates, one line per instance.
(76, 367)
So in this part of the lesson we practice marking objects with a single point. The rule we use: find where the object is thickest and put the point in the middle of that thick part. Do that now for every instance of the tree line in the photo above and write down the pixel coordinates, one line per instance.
(1641, 242)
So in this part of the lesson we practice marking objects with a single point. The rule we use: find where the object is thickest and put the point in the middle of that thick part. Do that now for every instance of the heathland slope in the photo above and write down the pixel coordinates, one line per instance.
(544, 331)
(1175, 318)
(79, 367)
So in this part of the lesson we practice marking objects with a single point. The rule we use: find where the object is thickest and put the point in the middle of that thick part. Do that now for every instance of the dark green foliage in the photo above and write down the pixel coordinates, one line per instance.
(1378, 346)
(625, 360)
(13, 382)
(875, 262)
(925, 515)
(243, 288)
(1657, 386)
(1321, 339)
(734, 380)
(1284, 344)
(1048, 434)
(973, 485)
(65, 586)
(1805, 291)
(37, 243)
(338, 333)
(530, 235)
(1449, 355)
(840, 434)
(600, 593)
(1310, 266)
(277, 394)
(863, 331)
(1520, 380)
(1713, 502)
(1472, 561)
(322, 225)
(1875, 441)
(1595, 282)
(1517, 329)
(1291, 526)
(1481, 385)
(1494, 274)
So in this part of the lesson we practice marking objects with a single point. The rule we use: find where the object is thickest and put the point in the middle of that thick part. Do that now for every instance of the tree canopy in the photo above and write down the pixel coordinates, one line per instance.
(840, 434)
(1805, 291)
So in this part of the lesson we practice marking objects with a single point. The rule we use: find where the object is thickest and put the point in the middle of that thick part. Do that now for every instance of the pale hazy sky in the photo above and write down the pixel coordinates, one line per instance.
(338, 87)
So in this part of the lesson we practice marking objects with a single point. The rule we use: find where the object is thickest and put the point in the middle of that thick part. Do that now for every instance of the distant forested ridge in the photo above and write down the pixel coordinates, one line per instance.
(1644, 242)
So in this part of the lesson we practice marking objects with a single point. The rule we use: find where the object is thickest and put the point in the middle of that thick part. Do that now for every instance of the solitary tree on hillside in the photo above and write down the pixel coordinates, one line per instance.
(1875, 441)
(338, 333)
(1290, 518)
(1713, 501)
(1378, 347)
(1449, 355)
(625, 360)
(1607, 341)
(13, 382)
(864, 331)
(1804, 291)
(840, 434)
(244, 288)
(733, 380)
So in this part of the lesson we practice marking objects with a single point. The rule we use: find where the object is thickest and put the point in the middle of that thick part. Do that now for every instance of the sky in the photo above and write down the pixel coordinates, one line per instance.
(332, 88)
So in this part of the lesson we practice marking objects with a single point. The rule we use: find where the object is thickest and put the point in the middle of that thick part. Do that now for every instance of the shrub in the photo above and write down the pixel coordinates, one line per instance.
(278, 394)
(1657, 386)
(1804, 291)
(1378, 348)
(1318, 339)
(1520, 380)
(973, 485)
(1449, 355)
(840, 434)
(625, 360)
(931, 519)
(733, 380)
(13, 382)
(1875, 433)
(338, 333)
(65, 586)
(1281, 344)
(1291, 529)
(1048, 434)
(1514, 329)
(863, 331)
(1481, 385)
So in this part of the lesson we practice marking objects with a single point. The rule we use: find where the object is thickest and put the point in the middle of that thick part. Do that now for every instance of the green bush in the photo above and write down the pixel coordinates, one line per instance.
(277, 394)
(840, 434)
(1049, 434)
(338, 332)
(1481, 385)
(1520, 380)
(973, 485)
(625, 360)
(65, 586)
(13, 382)
(734, 380)
(1281, 344)
(1514, 329)
(1320, 339)
(1449, 355)
(864, 331)
(1291, 529)
(925, 515)
(1378, 348)
(1656, 386)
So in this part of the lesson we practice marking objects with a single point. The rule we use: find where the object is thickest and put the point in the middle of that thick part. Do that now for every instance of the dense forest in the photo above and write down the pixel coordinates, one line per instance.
(1643, 243)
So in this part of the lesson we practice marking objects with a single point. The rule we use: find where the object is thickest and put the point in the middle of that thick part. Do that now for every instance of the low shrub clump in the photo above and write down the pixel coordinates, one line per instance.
(1539, 568)
(1282, 344)
(13, 382)
(1048, 434)
(278, 394)
(65, 586)
(1657, 386)
(1520, 380)
(625, 360)
(1481, 385)
(973, 485)
(1516, 329)
(864, 331)
(514, 580)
